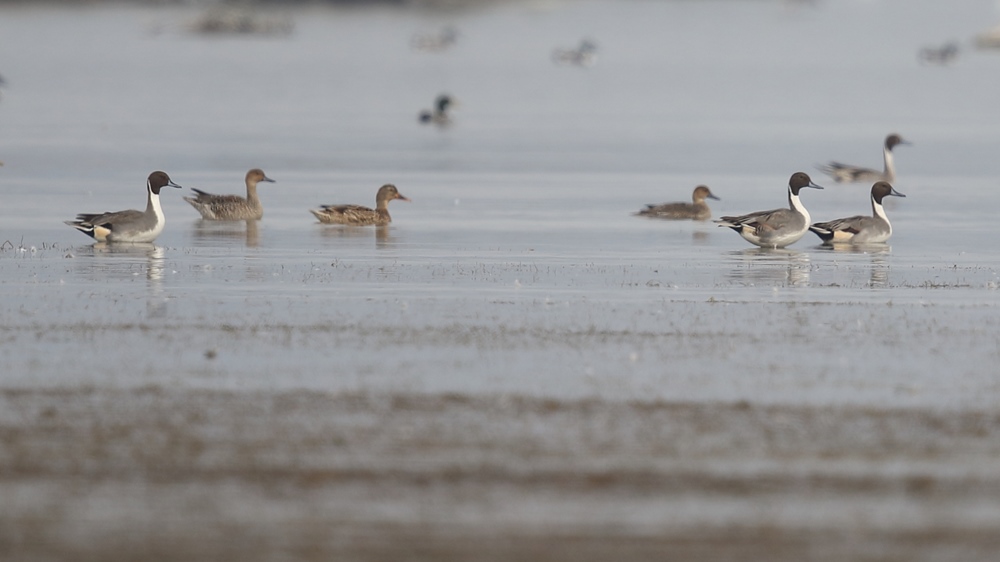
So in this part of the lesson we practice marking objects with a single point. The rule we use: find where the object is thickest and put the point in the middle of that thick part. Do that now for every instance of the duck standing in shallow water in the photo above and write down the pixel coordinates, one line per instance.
(777, 228)
(361, 216)
(439, 115)
(231, 207)
(129, 226)
(860, 229)
(696, 210)
(844, 173)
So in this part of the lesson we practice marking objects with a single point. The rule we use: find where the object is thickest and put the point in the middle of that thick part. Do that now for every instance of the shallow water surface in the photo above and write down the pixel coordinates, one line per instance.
(517, 367)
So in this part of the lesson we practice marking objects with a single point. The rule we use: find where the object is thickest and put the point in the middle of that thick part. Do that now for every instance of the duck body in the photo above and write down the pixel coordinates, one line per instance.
(357, 215)
(845, 173)
(129, 226)
(231, 207)
(696, 210)
(941, 55)
(436, 42)
(779, 227)
(584, 55)
(860, 229)
(439, 115)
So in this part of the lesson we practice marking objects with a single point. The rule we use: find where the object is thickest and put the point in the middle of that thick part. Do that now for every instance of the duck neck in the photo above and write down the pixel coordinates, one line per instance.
(879, 212)
(252, 193)
(890, 168)
(153, 204)
(795, 204)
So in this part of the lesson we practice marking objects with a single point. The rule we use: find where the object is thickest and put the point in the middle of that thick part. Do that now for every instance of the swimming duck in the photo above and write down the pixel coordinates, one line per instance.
(941, 55)
(439, 115)
(231, 207)
(131, 225)
(846, 173)
(860, 229)
(697, 210)
(358, 215)
(435, 42)
(584, 55)
(777, 228)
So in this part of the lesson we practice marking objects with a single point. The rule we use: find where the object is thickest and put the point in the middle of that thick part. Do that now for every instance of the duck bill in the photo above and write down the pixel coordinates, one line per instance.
(172, 184)
(814, 185)
(896, 193)
(400, 197)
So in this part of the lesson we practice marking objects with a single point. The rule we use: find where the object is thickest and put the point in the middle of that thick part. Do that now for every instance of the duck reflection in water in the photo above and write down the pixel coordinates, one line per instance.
(209, 232)
(768, 266)
(877, 264)
(123, 262)
(383, 234)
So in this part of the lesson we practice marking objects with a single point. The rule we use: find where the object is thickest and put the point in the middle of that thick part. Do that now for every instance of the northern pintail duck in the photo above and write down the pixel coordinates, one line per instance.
(241, 21)
(696, 210)
(128, 226)
(941, 55)
(850, 174)
(439, 115)
(860, 229)
(584, 55)
(231, 207)
(358, 215)
(435, 42)
(777, 228)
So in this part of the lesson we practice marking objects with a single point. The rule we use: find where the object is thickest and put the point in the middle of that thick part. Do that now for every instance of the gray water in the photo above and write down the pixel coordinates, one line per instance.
(517, 272)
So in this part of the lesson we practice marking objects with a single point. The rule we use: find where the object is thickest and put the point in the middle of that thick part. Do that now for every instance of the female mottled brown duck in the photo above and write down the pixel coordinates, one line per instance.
(696, 210)
(231, 207)
(361, 216)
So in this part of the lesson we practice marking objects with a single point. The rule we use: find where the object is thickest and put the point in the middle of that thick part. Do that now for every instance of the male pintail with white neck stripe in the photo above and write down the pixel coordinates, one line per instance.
(844, 173)
(777, 228)
(860, 229)
(129, 226)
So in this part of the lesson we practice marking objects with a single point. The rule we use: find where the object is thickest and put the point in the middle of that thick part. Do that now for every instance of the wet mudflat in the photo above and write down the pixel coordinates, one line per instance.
(169, 474)
(516, 368)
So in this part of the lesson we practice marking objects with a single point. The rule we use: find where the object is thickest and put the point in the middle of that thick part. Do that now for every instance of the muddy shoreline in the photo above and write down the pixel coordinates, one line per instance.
(164, 474)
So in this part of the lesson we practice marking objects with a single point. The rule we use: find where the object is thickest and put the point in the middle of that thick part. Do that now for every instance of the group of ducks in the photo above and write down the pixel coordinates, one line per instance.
(780, 227)
(776, 228)
(134, 226)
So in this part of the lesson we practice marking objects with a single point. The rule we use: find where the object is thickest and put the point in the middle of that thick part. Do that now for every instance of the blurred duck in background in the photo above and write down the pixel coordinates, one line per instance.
(844, 173)
(439, 115)
(942, 55)
(584, 55)
(435, 42)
